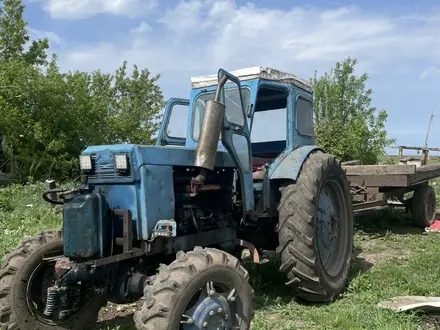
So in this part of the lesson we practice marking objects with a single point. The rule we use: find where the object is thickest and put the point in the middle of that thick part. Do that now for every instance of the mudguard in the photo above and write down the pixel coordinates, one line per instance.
(289, 163)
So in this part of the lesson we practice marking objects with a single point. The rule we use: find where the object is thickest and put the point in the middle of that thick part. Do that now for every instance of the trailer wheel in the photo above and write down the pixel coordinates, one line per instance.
(424, 206)
(201, 289)
(24, 279)
(315, 230)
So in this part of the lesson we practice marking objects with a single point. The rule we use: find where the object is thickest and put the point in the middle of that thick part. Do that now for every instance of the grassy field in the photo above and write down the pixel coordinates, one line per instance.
(391, 258)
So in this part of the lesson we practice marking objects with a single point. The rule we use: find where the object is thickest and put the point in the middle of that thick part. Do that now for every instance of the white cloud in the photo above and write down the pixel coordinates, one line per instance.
(79, 9)
(429, 73)
(199, 36)
(52, 37)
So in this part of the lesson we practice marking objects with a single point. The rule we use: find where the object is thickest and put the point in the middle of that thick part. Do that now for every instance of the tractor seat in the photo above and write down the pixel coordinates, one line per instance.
(259, 167)
(269, 151)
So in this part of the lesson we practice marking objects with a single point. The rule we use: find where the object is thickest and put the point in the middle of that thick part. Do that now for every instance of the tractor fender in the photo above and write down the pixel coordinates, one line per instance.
(289, 163)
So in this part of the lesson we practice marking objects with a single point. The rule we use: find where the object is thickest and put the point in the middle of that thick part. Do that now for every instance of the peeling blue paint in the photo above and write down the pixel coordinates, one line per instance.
(147, 190)
(289, 163)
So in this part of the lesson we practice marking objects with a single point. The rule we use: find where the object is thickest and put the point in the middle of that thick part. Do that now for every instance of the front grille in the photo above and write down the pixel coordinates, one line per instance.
(105, 170)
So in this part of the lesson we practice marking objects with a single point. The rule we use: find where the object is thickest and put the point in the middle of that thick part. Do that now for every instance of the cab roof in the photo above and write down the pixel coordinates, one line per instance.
(257, 72)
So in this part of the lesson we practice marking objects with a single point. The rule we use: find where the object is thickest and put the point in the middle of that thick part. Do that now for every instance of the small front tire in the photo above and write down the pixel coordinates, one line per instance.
(18, 309)
(201, 288)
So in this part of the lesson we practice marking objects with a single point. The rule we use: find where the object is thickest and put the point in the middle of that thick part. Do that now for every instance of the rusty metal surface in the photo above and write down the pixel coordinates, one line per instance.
(259, 72)
(357, 207)
(127, 229)
(134, 253)
(251, 247)
(85, 226)
(209, 134)
(62, 266)
(206, 187)
(209, 238)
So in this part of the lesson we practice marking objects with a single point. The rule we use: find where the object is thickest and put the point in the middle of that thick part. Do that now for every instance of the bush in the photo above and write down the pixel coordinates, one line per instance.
(346, 125)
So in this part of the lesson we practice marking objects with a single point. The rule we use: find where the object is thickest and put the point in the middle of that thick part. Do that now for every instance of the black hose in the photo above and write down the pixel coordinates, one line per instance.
(52, 191)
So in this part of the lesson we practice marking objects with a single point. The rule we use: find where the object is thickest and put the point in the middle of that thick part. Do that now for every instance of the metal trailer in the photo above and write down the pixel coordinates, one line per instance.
(406, 185)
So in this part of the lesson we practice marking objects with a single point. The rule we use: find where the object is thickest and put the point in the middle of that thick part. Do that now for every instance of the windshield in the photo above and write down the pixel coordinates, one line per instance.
(232, 103)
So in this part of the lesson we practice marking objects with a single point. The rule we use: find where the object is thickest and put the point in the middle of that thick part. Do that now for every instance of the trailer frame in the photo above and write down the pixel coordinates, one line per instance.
(375, 187)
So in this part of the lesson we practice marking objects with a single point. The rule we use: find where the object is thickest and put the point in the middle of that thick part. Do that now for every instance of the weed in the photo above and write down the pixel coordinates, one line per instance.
(390, 258)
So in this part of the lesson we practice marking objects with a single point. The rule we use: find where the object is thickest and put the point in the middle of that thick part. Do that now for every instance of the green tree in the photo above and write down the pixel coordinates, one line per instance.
(346, 124)
(14, 36)
(48, 117)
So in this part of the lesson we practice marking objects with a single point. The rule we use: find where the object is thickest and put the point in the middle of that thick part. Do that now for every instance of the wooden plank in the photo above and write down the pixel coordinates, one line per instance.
(415, 148)
(397, 180)
(379, 169)
(425, 173)
(351, 163)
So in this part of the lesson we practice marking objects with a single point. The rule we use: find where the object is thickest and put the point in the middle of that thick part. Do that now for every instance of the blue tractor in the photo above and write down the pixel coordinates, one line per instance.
(168, 223)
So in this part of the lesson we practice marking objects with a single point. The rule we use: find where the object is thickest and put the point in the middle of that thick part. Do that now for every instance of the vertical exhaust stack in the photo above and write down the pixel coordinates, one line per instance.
(210, 130)
(209, 136)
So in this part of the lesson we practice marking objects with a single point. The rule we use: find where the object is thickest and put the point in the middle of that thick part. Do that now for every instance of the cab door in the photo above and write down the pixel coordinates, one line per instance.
(236, 136)
(173, 128)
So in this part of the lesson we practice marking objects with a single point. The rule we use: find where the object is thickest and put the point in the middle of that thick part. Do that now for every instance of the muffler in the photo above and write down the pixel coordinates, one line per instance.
(210, 134)
(210, 131)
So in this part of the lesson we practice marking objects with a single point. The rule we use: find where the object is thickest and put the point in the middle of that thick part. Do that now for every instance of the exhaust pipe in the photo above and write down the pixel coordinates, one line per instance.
(210, 130)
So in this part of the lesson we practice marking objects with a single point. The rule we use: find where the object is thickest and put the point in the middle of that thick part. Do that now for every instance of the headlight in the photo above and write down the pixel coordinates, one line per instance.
(121, 162)
(85, 162)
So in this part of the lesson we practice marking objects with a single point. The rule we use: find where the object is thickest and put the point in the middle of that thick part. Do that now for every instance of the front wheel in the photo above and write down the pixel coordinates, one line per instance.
(24, 280)
(315, 229)
(201, 289)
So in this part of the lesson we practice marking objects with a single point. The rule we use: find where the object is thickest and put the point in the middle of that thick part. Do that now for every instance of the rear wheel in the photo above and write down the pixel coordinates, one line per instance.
(316, 229)
(201, 289)
(24, 280)
(423, 206)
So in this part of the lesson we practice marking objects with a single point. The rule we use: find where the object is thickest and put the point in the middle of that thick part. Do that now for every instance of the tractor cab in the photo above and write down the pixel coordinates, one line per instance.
(269, 114)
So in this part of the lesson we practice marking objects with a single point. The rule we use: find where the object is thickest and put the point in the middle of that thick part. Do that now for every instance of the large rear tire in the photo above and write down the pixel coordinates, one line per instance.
(204, 288)
(24, 278)
(315, 230)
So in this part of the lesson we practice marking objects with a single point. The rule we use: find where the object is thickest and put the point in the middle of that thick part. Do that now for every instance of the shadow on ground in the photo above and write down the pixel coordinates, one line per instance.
(121, 323)
(384, 222)
(269, 283)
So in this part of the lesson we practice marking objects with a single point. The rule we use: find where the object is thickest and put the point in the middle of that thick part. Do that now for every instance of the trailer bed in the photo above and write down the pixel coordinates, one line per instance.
(372, 186)
(391, 175)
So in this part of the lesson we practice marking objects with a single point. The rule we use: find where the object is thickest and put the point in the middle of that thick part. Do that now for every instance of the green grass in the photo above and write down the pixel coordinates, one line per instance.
(391, 258)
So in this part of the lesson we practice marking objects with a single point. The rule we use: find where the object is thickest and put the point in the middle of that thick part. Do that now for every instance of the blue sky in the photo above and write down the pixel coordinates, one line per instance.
(396, 42)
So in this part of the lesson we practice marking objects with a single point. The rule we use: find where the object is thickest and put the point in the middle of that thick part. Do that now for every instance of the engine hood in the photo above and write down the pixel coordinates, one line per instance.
(141, 155)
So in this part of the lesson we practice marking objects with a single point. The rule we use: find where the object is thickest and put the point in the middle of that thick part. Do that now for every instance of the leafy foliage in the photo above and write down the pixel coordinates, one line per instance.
(49, 117)
(346, 125)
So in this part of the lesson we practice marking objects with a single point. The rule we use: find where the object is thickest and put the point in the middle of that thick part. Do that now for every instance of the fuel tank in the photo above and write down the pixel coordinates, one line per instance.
(86, 231)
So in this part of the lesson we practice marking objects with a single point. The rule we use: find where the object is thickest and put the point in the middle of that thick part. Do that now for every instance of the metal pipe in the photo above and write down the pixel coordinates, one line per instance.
(209, 134)
(207, 187)
(210, 129)
(220, 85)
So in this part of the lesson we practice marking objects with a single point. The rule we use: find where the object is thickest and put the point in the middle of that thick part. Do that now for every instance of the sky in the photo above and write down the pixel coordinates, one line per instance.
(396, 42)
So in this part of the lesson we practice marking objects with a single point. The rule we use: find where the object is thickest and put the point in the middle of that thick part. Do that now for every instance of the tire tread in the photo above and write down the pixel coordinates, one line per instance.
(297, 233)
